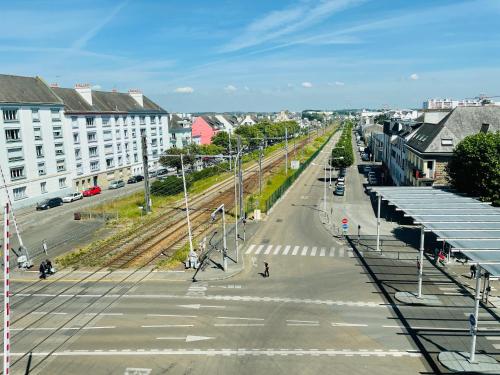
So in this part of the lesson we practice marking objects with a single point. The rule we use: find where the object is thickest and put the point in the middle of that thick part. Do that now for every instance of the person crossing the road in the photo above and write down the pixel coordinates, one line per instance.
(266, 270)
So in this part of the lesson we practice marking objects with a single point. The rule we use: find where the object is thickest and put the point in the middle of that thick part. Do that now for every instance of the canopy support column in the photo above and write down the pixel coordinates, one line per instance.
(472, 357)
(378, 220)
(421, 262)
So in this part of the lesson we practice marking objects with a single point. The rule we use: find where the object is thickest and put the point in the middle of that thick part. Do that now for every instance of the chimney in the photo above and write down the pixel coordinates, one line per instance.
(114, 90)
(137, 95)
(54, 84)
(85, 91)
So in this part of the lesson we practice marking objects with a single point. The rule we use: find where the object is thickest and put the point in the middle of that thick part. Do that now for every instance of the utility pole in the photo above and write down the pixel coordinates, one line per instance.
(236, 214)
(260, 170)
(240, 180)
(286, 151)
(229, 133)
(191, 250)
(147, 197)
(6, 291)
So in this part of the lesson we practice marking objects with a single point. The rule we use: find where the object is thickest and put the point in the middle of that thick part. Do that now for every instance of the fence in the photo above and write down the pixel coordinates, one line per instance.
(278, 193)
(95, 215)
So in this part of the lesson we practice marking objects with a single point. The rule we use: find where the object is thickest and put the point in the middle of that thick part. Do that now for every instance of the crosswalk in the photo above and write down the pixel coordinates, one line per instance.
(299, 251)
(495, 341)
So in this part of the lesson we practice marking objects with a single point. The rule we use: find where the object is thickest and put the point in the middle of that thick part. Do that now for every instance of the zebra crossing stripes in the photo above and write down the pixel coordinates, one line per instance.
(297, 250)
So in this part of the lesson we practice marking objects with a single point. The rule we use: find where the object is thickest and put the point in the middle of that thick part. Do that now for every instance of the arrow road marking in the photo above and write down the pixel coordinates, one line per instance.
(187, 338)
(198, 306)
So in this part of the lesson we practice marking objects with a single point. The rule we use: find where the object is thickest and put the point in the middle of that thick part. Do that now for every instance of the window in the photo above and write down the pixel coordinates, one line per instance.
(94, 166)
(38, 134)
(59, 149)
(118, 147)
(19, 193)
(126, 146)
(142, 120)
(10, 115)
(89, 121)
(446, 142)
(15, 154)
(76, 138)
(125, 133)
(143, 132)
(109, 163)
(429, 164)
(43, 187)
(155, 153)
(39, 151)
(62, 183)
(12, 135)
(120, 160)
(154, 142)
(105, 121)
(133, 133)
(60, 165)
(93, 151)
(92, 137)
(108, 149)
(161, 131)
(136, 159)
(74, 122)
(135, 145)
(17, 173)
(79, 169)
(117, 133)
(35, 115)
(41, 169)
(78, 154)
(55, 114)
(57, 131)
(485, 128)
(107, 135)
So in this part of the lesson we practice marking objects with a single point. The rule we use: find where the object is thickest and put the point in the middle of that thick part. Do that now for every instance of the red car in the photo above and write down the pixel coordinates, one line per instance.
(94, 190)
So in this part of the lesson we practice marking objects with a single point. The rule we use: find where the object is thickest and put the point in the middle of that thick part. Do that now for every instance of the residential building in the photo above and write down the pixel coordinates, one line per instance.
(229, 122)
(450, 103)
(430, 148)
(106, 130)
(180, 131)
(36, 149)
(249, 120)
(205, 127)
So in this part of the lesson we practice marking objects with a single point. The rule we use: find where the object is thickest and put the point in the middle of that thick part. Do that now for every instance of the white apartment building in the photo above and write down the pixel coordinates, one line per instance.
(58, 140)
(450, 103)
(35, 156)
(180, 131)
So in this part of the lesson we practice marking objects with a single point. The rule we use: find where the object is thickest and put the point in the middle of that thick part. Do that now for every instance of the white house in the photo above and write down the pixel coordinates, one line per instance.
(180, 131)
(230, 122)
(249, 120)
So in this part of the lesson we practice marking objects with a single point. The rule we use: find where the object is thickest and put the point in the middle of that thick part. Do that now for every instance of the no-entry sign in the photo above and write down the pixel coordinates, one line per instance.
(344, 220)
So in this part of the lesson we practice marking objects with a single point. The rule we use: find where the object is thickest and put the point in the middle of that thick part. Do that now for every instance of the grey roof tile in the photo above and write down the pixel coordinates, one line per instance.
(28, 90)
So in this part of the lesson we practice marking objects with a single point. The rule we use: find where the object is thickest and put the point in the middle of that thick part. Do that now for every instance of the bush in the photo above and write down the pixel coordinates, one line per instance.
(208, 172)
(169, 186)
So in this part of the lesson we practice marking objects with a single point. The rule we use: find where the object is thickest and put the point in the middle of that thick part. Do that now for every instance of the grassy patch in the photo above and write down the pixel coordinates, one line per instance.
(176, 259)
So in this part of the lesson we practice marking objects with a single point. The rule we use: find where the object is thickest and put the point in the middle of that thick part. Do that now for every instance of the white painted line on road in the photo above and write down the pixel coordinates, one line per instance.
(302, 324)
(88, 295)
(101, 327)
(496, 346)
(304, 251)
(173, 315)
(277, 250)
(486, 322)
(268, 250)
(295, 250)
(481, 314)
(187, 338)
(168, 325)
(44, 295)
(111, 314)
(449, 289)
(238, 325)
(341, 252)
(250, 248)
(47, 313)
(322, 252)
(60, 328)
(492, 337)
(225, 352)
(349, 325)
(197, 306)
(302, 321)
(259, 249)
(332, 252)
(287, 249)
(238, 318)
(313, 251)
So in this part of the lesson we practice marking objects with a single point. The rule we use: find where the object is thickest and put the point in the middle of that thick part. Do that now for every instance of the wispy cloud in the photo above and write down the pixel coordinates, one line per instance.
(230, 88)
(414, 76)
(286, 21)
(184, 90)
(336, 83)
(82, 41)
(307, 85)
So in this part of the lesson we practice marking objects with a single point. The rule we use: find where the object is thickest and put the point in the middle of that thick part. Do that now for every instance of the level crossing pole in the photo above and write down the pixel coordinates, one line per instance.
(260, 170)
(191, 250)
(147, 197)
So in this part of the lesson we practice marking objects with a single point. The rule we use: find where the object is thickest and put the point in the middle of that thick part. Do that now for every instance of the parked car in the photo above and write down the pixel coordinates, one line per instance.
(342, 172)
(365, 157)
(341, 183)
(49, 203)
(339, 190)
(94, 190)
(116, 184)
(72, 197)
(341, 179)
(134, 179)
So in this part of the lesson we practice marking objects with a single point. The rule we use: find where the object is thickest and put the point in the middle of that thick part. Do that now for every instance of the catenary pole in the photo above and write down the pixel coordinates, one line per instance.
(286, 151)
(240, 180)
(147, 197)
(6, 288)
(236, 214)
(191, 250)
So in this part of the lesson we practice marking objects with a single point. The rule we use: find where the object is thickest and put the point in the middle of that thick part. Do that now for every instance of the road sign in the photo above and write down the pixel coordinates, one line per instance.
(344, 220)
(345, 226)
(472, 320)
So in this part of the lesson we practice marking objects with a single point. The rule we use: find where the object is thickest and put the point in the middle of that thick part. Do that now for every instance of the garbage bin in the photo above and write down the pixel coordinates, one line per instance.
(77, 216)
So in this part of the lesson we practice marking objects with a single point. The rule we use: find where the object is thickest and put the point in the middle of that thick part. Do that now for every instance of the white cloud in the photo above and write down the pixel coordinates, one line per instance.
(414, 76)
(246, 88)
(96, 87)
(184, 90)
(307, 85)
(230, 88)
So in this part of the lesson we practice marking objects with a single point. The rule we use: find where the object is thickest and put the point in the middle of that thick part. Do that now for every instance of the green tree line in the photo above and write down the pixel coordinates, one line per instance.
(342, 153)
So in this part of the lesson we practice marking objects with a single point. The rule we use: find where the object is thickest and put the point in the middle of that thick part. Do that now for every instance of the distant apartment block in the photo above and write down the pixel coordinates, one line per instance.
(450, 103)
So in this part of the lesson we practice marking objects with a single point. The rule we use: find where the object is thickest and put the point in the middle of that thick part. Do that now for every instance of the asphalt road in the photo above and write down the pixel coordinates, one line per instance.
(317, 312)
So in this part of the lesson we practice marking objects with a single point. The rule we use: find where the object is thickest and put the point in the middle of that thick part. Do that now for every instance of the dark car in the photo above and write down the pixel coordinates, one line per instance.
(134, 179)
(49, 203)
(339, 190)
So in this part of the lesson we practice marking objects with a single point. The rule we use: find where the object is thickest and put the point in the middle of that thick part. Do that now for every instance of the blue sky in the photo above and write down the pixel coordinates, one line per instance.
(260, 55)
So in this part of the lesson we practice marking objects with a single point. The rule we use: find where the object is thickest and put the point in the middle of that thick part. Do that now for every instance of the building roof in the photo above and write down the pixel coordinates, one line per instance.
(104, 101)
(213, 122)
(175, 124)
(26, 90)
(462, 121)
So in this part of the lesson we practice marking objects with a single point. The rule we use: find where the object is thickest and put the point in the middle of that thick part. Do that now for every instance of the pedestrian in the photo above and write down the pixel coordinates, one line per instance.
(441, 258)
(473, 271)
(43, 270)
(266, 271)
(50, 269)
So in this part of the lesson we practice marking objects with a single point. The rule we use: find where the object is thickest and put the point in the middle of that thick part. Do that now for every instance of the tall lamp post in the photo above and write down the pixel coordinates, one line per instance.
(213, 215)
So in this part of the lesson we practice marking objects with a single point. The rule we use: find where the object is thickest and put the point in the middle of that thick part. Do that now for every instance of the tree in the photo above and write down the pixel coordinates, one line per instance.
(221, 139)
(475, 166)
(169, 186)
(175, 161)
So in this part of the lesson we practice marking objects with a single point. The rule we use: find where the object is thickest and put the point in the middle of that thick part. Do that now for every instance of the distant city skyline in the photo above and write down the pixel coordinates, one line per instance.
(268, 56)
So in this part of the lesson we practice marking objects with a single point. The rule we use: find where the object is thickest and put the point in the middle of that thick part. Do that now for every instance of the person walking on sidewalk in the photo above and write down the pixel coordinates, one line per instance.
(266, 270)
(473, 271)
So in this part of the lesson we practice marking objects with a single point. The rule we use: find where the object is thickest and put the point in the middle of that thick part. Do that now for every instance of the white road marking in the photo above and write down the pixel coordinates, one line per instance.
(111, 314)
(349, 325)
(303, 321)
(226, 352)
(254, 262)
(303, 324)
(341, 252)
(268, 250)
(47, 313)
(295, 250)
(60, 328)
(492, 337)
(496, 346)
(277, 250)
(447, 288)
(187, 338)
(287, 249)
(259, 249)
(322, 252)
(304, 251)
(313, 251)
(250, 248)
(238, 324)
(168, 325)
(238, 318)
(332, 252)
(197, 306)
(173, 315)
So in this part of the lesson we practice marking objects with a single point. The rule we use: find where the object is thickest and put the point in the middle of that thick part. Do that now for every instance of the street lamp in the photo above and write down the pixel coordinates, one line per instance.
(213, 215)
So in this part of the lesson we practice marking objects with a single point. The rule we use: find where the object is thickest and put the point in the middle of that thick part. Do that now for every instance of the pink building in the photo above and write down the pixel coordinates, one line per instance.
(205, 127)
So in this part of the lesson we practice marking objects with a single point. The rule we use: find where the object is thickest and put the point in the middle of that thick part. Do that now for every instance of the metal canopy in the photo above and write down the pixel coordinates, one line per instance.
(466, 224)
